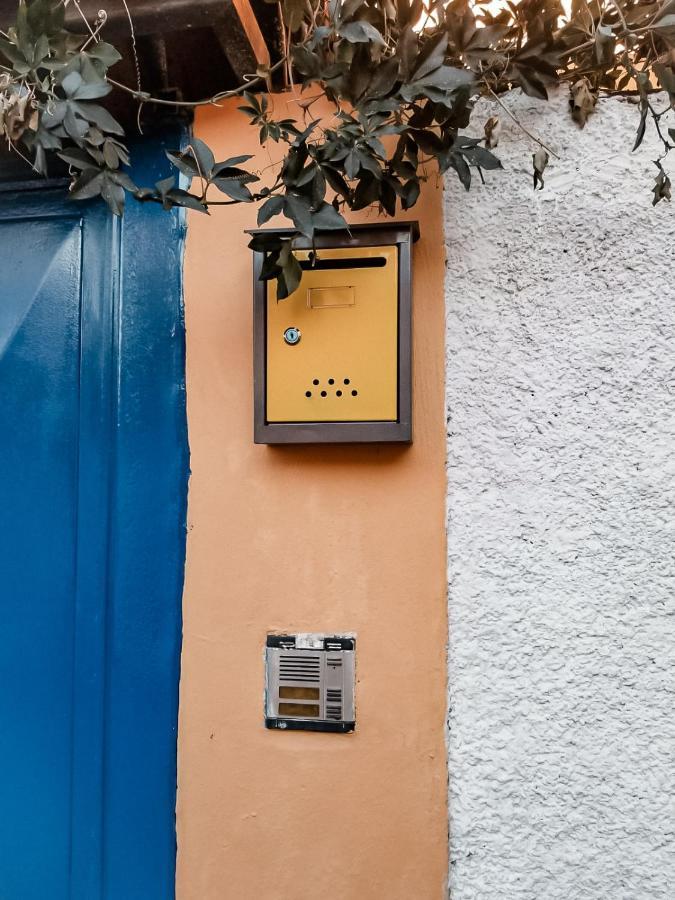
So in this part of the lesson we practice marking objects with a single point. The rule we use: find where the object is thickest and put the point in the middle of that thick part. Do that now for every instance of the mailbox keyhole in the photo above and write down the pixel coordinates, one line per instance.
(292, 336)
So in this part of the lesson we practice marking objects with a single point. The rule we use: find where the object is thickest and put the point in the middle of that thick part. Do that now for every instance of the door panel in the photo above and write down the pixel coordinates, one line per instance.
(93, 478)
(39, 401)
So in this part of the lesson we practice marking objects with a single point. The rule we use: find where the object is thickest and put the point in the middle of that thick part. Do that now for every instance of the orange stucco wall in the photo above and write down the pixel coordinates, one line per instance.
(324, 538)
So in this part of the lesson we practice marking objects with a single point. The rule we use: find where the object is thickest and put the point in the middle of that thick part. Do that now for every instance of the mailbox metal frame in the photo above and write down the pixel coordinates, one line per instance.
(401, 234)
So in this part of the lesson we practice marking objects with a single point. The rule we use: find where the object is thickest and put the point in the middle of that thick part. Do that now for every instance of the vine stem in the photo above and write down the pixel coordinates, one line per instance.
(620, 14)
(656, 116)
(520, 124)
(142, 97)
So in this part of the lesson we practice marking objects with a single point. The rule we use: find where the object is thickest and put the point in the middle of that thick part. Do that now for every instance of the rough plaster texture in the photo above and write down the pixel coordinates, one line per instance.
(560, 392)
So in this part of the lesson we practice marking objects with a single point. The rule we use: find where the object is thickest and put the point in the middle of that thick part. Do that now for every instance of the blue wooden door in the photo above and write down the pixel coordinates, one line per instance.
(93, 478)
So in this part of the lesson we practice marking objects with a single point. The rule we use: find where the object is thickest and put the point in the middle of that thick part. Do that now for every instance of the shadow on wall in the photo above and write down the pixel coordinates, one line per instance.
(338, 455)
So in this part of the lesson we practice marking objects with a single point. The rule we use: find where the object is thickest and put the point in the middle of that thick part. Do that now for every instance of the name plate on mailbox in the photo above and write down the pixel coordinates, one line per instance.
(333, 360)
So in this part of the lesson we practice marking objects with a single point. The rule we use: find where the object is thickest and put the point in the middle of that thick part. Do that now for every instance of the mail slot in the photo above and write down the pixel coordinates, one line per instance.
(333, 360)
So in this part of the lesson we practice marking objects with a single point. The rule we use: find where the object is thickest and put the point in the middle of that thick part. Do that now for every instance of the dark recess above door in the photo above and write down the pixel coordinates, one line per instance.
(187, 50)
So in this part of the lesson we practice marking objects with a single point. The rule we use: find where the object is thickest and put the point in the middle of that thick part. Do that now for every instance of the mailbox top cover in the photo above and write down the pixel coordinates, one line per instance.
(333, 360)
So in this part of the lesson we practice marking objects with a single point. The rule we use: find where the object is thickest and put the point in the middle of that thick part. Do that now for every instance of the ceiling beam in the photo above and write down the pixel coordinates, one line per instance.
(161, 16)
(241, 38)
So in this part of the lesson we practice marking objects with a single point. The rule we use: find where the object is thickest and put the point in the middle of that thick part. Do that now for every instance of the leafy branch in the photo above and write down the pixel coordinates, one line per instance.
(401, 77)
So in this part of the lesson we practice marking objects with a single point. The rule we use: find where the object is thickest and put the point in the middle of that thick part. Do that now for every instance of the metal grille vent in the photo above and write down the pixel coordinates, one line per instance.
(299, 668)
(334, 703)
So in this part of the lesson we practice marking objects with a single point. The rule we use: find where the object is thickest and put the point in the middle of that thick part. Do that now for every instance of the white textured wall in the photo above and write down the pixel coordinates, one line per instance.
(561, 498)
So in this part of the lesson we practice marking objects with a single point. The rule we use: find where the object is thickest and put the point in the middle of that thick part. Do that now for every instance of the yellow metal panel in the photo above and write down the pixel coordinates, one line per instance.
(345, 366)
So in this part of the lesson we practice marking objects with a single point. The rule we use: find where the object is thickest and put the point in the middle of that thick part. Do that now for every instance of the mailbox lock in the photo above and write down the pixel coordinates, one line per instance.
(292, 336)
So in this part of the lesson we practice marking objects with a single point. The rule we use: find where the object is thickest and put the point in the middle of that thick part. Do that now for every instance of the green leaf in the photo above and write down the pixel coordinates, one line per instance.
(367, 192)
(530, 83)
(335, 180)
(71, 83)
(306, 175)
(642, 125)
(165, 185)
(383, 78)
(388, 197)
(411, 193)
(185, 163)
(361, 32)
(431, 56)
(78, 158)
(104, 52)
(302, 137)
(269, 209)
(98, 115)
(291, 272)
(407, 51)
(327, 218)
(14, 55)
(110, 155)
(666, 23)
(75, 127)
(113, 194)
(230, 163)
(122, 179)
(437, 85)
(234, 188)
(179, 197)
(306, 62)
(479, 156)
(666, 78)
(204, 156)
(87, 185)
(92, 90)
(460, 165)
(298, 209)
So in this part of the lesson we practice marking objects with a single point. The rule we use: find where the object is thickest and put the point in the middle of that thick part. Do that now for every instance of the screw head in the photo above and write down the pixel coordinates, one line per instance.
(292, 336)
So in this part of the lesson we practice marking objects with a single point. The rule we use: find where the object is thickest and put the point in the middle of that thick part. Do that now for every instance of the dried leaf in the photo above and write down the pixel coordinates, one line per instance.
(582, 100)
(539, 163)
(661, 187)
(493, 130)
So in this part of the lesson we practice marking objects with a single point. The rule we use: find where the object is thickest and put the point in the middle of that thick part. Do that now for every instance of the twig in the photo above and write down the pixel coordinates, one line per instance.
(210, 101)
(94, 35)
(284, 45)
(520, 125)
(619, 11)
(656, 116)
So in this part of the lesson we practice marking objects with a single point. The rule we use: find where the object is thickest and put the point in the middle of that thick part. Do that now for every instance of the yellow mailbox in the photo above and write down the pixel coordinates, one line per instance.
(333, 360)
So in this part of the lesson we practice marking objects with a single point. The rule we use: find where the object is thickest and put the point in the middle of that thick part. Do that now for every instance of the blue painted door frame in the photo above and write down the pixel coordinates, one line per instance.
(93, 485)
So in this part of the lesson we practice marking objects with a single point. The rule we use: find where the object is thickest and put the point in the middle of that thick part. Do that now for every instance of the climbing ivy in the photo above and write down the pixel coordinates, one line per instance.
(401, 77)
